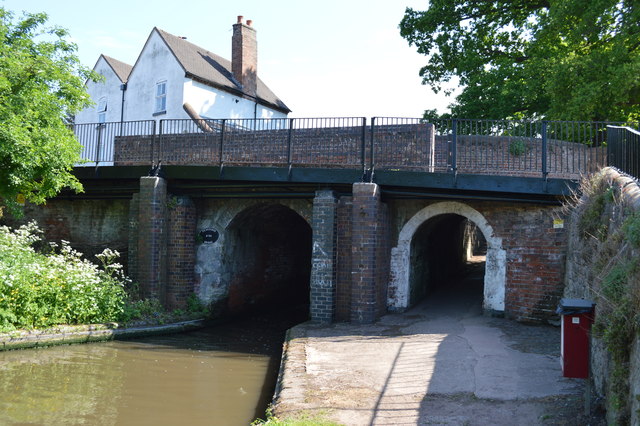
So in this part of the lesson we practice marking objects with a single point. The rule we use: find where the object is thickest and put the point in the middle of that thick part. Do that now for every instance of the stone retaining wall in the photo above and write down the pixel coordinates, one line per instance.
(582, 281)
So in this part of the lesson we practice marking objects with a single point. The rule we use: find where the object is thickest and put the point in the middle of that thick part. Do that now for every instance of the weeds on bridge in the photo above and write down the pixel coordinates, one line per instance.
(609, 231)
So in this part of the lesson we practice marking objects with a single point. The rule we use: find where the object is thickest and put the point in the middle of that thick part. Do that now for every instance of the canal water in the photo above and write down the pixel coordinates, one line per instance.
(222, 375)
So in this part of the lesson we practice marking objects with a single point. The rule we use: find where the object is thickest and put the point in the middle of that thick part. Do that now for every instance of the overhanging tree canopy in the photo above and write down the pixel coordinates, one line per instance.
(41, 85)
(554, 59)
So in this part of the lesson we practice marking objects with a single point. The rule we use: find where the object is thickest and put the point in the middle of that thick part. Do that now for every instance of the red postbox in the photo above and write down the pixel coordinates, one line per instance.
(577, 318)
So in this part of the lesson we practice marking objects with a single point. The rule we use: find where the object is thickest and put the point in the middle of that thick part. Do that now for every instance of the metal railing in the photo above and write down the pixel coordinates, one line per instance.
(623, 151)
(559, 149)
(98, 140)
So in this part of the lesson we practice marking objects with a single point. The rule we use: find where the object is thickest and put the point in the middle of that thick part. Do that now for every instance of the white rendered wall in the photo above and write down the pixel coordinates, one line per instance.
(156, 63)
(97, 141)
(109, 88)
(213, 103)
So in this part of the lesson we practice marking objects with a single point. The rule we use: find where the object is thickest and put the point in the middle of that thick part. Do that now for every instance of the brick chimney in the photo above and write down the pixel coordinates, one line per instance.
(244, 56)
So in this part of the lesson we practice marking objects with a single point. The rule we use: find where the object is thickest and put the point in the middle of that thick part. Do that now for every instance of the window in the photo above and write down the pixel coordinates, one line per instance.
(161, 97)
(102, 110)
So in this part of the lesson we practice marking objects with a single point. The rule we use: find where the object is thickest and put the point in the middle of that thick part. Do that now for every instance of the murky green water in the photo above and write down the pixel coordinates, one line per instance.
(218, 376)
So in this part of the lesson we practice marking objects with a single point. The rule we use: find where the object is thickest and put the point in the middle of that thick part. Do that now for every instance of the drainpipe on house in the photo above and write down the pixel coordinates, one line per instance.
(123, 88)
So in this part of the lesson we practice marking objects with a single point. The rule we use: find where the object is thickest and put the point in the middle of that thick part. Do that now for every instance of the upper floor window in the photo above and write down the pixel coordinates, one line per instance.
(102, 110)
(161, 96)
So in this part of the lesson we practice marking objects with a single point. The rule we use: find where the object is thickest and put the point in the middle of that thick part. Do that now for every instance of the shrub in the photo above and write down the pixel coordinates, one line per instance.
(517, 147)
(40, 290)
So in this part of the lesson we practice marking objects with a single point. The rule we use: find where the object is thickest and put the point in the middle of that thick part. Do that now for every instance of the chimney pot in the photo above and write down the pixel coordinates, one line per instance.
(240, 18)
(249, 22)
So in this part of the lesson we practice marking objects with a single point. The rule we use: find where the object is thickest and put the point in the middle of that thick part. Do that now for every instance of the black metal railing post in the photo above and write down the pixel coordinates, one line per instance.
(363, 150)
(161, 142)
(152, 141)
(222, 130)
(545, 170)
(289, 145)
(454, 146)
(372, 150)
(99, 128)
(634, 153)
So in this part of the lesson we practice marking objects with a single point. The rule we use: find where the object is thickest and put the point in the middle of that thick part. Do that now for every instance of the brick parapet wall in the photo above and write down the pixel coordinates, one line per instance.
(152, 228)
(407, 146)
(181, 253)
(411, 145)
(323, 257)
(491, 155)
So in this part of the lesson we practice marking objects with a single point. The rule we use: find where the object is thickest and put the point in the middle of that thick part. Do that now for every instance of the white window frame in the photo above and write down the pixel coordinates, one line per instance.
(102, 110)
(161, 97)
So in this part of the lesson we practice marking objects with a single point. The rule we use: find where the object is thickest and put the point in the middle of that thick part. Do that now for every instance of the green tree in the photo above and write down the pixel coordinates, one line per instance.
(41, 85)
(557, 59)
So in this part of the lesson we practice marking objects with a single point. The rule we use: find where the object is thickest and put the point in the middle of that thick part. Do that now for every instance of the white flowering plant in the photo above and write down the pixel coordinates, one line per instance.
(39, 290)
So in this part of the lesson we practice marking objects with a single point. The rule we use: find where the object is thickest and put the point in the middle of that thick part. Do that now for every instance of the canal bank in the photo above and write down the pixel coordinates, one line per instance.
(439, 363)
(69, 334)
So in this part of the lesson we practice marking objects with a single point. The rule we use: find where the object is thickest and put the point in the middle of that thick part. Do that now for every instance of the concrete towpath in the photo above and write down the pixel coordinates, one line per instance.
(438, 363)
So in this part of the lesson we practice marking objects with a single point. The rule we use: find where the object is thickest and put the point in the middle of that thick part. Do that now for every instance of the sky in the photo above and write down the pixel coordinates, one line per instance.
(330, 58)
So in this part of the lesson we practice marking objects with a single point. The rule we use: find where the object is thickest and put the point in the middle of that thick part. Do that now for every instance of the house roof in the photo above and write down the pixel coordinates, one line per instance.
(121, 69)
(213, 70)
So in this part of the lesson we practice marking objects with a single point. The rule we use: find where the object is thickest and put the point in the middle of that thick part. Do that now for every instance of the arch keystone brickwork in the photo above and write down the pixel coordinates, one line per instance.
(495, 270)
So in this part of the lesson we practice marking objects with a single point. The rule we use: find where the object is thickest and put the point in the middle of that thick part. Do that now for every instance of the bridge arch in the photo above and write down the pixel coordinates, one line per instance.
(495, 269)
(267, 258)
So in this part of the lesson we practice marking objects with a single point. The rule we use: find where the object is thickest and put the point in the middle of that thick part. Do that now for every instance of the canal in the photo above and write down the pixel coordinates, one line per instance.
(221, 375)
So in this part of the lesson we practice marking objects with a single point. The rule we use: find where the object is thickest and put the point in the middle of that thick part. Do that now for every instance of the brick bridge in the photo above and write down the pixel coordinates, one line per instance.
(355, 218)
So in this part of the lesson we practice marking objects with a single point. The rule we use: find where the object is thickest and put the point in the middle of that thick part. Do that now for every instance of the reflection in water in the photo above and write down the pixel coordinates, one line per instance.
(223, 375)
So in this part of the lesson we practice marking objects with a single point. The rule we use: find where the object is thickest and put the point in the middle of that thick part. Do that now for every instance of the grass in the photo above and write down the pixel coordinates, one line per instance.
(303, 418)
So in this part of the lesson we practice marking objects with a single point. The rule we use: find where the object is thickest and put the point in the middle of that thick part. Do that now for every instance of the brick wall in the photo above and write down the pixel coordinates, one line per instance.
(181, 254)
(134, 214)
(343, 259)
(323, 257)
(383, 253)
(408, 146)
(89, 225)
(535, 252)
(367, 274)
(488, 154)
(152, 229)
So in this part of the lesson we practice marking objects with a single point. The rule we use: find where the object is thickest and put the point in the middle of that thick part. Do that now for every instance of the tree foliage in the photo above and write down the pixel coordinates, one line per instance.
(41, 85)
(554, 59)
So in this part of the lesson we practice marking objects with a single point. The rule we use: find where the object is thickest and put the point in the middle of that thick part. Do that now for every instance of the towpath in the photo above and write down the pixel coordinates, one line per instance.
(439, 363)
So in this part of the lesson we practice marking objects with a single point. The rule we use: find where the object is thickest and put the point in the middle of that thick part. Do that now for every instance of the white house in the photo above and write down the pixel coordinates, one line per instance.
(175, 79)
